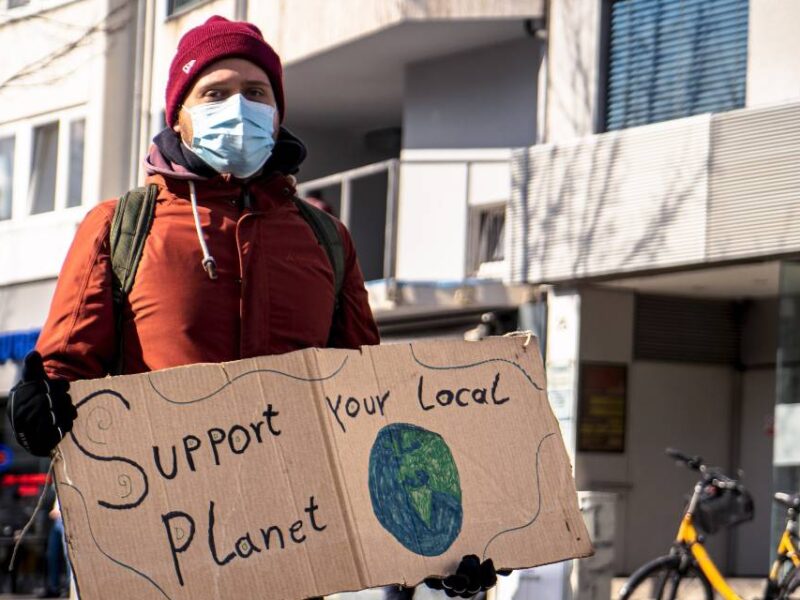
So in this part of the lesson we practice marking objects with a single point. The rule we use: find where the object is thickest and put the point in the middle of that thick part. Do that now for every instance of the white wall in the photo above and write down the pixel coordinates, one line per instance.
(56, 84)
(573, 53)
(483, 98)
(437, 189)
(772, 49)
(432, 221)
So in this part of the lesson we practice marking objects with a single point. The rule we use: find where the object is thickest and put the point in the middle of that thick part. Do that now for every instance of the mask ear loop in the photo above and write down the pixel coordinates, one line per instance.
(209, 264)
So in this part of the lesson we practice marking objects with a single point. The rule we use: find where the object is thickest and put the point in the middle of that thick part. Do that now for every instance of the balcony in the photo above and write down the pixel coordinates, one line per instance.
(428, 228)
(713, 188)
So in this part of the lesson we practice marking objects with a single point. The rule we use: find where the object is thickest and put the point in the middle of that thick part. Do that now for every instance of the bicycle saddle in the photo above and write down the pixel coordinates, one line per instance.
(788, 500)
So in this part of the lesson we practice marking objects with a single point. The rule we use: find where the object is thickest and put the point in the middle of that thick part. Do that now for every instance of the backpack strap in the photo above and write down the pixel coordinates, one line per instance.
(327, 234)
(130, 226)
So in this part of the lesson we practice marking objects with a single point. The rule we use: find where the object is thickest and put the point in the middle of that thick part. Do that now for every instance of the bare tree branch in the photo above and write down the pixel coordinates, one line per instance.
(42, 63)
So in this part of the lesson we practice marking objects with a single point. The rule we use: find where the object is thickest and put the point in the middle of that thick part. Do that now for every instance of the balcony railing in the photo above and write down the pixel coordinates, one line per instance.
(453, 214)
(374, 190)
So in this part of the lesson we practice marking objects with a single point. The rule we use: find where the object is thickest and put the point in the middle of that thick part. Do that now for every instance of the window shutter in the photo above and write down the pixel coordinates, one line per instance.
(670, 59)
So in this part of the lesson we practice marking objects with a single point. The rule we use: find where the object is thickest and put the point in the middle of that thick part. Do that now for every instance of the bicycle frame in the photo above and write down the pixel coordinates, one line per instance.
(690, 539)
(786, 551)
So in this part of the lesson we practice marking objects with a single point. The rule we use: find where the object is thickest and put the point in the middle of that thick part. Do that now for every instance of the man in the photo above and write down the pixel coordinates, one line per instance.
(230, 268)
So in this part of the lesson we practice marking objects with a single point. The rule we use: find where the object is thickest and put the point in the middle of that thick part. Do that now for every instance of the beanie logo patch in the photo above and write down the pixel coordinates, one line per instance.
(188, 66)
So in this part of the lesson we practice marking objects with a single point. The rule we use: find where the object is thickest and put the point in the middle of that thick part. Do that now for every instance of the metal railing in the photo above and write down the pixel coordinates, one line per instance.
(345, 181)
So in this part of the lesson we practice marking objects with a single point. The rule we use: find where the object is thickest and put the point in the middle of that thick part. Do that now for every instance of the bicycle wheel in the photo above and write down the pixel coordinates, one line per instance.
(790, 585)
(666, 579)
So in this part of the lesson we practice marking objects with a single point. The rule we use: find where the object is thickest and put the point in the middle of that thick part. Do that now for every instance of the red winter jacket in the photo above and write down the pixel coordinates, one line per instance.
(274, 292)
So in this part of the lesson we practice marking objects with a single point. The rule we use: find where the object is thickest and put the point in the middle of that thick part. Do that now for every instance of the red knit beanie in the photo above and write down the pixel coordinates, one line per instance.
(216, 39)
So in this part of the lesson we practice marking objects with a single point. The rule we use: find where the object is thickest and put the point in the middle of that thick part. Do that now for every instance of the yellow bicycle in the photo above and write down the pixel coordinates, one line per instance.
(688, 572)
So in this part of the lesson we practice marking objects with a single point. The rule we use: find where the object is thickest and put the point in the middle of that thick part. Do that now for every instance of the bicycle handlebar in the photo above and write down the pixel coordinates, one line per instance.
(724, 482)
(693, 462)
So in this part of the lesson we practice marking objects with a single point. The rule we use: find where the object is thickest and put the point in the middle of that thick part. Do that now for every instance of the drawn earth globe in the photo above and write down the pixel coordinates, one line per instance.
(415, 488)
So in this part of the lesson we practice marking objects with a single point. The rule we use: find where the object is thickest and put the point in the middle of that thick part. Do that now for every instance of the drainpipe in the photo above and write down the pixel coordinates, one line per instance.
(390, 242)
(147, 81)
(541, 85)
(136, 112)
(240, 10)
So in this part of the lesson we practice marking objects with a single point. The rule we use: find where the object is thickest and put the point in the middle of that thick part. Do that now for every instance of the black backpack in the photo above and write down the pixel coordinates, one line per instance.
(130, 226)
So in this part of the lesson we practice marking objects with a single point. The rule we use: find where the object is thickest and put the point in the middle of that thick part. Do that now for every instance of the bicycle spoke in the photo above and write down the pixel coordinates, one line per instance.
(672, 590)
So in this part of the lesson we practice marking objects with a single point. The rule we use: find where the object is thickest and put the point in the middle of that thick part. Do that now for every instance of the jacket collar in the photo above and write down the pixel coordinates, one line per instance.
(263, 191)
(171, 166)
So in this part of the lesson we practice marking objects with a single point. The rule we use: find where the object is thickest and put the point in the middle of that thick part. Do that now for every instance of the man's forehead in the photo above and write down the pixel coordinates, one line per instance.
(233, 68)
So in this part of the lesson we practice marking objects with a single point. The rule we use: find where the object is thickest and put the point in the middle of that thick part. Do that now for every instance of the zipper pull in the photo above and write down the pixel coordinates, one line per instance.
(246, 200)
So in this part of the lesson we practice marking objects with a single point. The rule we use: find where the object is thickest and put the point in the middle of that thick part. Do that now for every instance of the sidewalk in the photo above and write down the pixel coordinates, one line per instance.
(747, 588)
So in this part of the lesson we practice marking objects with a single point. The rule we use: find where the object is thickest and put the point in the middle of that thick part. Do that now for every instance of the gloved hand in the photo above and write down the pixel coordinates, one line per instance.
(40, 409)
(472, 576)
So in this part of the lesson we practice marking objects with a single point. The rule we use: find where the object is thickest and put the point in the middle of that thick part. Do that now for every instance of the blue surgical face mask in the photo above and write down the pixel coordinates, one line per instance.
(233, 135)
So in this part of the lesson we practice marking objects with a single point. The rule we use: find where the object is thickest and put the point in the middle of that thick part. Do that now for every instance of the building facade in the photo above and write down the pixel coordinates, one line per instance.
(661, 209)
(618, 175)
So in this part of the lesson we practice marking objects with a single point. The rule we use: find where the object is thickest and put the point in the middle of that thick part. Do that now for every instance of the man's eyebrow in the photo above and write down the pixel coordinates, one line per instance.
(258, 82)
(214, 84)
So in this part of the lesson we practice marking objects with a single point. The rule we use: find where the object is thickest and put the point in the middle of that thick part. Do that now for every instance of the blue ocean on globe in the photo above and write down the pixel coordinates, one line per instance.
(415, 488)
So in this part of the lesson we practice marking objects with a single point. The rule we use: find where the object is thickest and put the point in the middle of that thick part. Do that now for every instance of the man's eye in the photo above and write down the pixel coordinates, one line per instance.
(212, 94)
(255, 92)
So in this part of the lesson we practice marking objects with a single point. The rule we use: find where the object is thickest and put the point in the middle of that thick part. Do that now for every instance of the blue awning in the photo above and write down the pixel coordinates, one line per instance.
(14, 345)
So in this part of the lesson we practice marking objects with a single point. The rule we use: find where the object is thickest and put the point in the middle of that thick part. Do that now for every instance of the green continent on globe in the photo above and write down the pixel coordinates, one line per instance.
(420, 452)
(415, 488)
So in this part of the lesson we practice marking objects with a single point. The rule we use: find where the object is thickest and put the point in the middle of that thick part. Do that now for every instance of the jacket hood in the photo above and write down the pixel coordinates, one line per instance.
(169, 157)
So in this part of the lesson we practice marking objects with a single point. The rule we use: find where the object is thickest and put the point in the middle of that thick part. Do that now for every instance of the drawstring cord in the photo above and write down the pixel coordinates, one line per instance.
(527, 333)
(209, 264)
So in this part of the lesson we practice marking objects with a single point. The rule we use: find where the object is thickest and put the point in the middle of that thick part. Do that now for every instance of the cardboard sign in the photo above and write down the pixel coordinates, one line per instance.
(315, 472)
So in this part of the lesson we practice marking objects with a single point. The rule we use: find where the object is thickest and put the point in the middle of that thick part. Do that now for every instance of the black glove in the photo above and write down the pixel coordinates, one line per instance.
(40, 409)
(472, 576)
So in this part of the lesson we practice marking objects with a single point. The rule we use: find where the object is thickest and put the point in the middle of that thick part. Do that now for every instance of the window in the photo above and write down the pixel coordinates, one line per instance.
(668, 59)
(487, 244)
(44, 159)
(174, 6)
(42, 162)
(75, 174)
(6, 176)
